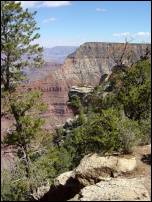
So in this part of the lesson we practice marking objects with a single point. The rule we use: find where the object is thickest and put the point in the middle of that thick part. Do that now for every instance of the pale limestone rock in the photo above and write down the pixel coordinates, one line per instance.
(93, 168)
(63, 178)
(117, 189)
(41, 191)
(126, 165)
(83, 89)
(92, 60)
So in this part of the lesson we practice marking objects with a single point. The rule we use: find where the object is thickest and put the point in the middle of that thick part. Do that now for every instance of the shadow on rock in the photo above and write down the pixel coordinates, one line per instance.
(146, 159)
(63, 192)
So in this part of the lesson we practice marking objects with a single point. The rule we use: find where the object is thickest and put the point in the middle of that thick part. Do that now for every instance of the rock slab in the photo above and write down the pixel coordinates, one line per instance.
(115, 190)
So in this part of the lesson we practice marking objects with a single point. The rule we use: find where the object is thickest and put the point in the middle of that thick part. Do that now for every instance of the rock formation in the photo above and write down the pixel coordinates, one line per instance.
(85, 66)
(99, 178)
(93, 59)
(120, 189)
(94, 168)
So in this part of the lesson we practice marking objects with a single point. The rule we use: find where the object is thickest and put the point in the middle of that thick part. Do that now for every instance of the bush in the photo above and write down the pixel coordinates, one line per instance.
(145, 128)
(14, 187)
(129, 134)
(135, 94)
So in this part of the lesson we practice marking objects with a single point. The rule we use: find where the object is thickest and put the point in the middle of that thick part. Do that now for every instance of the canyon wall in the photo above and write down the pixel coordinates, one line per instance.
(83, 67)
(93, 59)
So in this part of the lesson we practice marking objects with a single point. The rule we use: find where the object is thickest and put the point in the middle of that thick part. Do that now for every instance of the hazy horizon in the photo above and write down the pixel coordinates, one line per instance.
(95, 42)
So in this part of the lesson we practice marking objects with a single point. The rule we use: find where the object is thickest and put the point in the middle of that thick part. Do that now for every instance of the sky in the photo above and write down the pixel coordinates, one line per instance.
(73, 23)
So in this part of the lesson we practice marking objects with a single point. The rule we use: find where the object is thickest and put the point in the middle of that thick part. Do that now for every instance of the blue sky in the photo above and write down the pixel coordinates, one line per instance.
(76, 22)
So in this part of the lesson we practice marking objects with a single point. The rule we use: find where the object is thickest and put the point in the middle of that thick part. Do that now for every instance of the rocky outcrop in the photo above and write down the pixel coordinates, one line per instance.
(101, 186)
(84, 67)
(63, 178)
(120, 189)
(94, 168)
(40, 192)
(99, 178)
(80, 91)
(93, 59)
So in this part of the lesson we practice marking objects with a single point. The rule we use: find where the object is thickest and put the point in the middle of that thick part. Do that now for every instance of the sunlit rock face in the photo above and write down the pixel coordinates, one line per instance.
(83, 67)
(93, 59)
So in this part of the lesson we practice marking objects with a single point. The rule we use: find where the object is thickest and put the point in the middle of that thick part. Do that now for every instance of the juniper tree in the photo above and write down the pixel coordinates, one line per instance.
(18, 47)
(27, 125)
(19, 50)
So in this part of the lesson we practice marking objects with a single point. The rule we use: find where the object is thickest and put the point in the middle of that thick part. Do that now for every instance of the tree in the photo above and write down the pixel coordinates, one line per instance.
(18, 29)
(27, 125)
(135, 94)
(117, 53)
(26, 135)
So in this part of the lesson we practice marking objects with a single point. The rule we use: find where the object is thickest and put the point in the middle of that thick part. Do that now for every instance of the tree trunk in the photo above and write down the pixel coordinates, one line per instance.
(26, 161)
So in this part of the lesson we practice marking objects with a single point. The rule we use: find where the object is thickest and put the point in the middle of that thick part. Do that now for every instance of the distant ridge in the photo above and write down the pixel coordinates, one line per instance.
(58, 54)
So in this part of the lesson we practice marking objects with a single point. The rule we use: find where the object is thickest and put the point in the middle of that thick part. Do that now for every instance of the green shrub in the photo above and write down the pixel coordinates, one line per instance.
(129, 134)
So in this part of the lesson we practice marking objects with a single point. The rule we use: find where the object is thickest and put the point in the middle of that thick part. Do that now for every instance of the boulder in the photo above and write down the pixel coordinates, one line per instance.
(93, 168)
(41, 191)
(117, 189)
(81, 92)
(63, 178)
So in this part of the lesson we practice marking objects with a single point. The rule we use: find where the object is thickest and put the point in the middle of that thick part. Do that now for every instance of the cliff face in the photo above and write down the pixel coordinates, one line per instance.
(83, 67)
(93, 59)
(55, 95)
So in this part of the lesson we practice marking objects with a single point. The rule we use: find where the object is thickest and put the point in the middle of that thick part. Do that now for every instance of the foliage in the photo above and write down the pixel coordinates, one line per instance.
(116, 116)
(135, 95)
(103, 133)
(26, 136)
(75, 103)
(13, 188)
(145, 128)
(129, 134)
(115, 120)
(18, 31)
(17, 186)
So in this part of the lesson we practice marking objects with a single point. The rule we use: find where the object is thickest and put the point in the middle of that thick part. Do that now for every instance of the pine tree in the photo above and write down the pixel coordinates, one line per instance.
(18, 49)
(27, 125)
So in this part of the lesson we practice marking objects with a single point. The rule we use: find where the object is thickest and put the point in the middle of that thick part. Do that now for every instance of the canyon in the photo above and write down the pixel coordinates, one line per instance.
(85, 66)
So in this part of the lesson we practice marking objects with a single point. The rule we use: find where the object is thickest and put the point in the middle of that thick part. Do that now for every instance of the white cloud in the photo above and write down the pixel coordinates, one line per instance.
(38, 4)
(55, 3)
(101, 9)
(138, 36)
(121, 34)
(142, 34)
(51, 19)
(29, 4)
